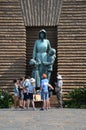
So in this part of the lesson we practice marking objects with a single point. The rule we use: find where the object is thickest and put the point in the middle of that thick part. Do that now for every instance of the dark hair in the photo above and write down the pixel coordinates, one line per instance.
(27, 77)
(15, 80)
(21, 78)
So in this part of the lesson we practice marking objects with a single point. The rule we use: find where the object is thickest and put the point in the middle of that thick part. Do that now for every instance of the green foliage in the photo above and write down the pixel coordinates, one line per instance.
(77, 98)
(6, 99)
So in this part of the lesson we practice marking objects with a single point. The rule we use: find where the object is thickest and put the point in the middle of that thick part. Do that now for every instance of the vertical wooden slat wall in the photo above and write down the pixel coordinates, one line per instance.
(12, 43)
(41, 12)
(72, 44)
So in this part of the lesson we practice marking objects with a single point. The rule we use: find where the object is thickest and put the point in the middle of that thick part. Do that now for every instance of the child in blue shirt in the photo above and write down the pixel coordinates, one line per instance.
(44, 91)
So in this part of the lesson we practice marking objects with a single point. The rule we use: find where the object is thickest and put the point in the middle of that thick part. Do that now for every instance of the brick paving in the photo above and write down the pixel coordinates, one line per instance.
(52, 119)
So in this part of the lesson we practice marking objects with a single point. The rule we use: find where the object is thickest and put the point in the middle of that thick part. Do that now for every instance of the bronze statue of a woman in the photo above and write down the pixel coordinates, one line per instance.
(41, 50)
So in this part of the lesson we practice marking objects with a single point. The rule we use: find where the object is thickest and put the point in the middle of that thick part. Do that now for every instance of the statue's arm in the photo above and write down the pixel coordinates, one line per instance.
(49, 46)
(47, 63)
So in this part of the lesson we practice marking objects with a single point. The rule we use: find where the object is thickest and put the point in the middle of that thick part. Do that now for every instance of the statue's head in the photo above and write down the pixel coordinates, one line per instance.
(42, 34)
(52, 51)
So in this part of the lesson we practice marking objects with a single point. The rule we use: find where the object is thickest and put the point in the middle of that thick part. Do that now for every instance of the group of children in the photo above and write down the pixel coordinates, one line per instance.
(25, 88)
(23, 92)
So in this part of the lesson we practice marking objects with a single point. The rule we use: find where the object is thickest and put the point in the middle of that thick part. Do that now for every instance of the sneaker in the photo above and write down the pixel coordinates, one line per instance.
(42, 109)
(34, 109)
(60, 107)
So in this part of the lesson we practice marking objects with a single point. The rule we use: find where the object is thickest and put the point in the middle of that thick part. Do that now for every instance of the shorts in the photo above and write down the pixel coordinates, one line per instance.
(16, 94)
(25, 96)
(30, 96)
(44, 95)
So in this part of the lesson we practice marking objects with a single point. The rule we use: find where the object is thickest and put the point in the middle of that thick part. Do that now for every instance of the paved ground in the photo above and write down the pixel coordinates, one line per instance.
(53, 119)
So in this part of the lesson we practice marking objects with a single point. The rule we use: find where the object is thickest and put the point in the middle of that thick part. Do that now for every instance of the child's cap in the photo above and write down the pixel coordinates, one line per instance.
(32, 80)
(59, 77)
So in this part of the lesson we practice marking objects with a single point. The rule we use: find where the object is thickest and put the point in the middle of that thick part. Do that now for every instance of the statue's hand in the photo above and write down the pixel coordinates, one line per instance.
(45, 63)
(32, 62)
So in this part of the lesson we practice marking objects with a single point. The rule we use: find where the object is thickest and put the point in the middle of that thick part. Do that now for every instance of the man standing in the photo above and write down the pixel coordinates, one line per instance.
(58, 90)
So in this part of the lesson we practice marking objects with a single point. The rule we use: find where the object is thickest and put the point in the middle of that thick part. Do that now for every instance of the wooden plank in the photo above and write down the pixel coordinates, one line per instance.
(12, 43)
